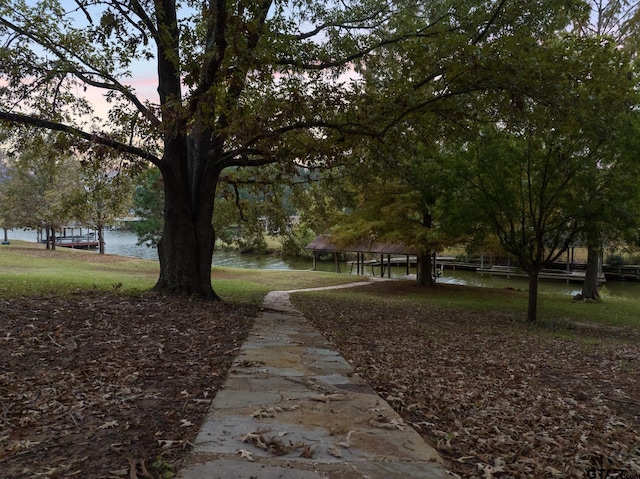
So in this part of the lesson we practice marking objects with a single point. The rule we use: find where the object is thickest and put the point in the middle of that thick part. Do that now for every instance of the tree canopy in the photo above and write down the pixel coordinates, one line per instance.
(238, 84)
(41, 185)
(545, 171)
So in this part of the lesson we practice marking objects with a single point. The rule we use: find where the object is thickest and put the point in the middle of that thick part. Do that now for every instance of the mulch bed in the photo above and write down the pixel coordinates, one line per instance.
(497, 398)
(98, 385)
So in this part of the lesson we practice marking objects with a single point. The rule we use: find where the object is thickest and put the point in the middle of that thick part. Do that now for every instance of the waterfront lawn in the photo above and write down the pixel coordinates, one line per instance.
(28, 268)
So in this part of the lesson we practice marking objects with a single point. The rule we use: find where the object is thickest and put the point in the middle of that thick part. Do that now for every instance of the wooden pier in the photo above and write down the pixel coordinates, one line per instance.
(78, 242)
(630, 272)
(379, 258)
(547, 274)
(87, 241)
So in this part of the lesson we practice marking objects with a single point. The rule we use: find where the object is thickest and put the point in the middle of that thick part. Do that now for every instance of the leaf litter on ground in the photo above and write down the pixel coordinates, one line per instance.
(93, 384)
(495, 396)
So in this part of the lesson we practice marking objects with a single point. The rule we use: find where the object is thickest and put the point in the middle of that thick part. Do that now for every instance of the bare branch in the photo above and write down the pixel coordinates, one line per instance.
(323, 65)
(142, 15)
(485, 30)
(85, 11)
(355, 24)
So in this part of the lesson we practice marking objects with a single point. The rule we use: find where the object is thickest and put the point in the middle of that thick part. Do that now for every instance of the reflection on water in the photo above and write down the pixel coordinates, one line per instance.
(124, 243)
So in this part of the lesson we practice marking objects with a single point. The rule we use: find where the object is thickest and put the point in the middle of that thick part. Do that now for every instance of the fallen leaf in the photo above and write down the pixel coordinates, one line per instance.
(248, 455)
(385, 423)
(347, 442)
(108, 425)
(334, 451)
(306, 452)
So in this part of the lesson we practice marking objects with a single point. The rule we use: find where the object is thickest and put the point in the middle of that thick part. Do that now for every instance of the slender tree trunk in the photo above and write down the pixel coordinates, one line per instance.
(424, 274)
(100, 229)
(532, 304)
(51, 237)
(590, 285)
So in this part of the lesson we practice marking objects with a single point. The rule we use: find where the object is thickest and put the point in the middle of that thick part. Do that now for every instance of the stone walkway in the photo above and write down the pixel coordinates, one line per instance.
(292, 408)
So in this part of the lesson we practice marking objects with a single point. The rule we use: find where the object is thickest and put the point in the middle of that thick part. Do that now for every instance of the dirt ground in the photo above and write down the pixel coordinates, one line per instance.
(95, 385)
(498, 398)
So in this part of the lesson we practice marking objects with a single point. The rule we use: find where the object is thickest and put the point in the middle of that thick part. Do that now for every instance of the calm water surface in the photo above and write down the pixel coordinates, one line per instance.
(124, 243)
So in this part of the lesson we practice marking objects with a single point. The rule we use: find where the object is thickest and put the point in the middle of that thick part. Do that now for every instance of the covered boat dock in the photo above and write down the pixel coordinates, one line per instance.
(389, 254)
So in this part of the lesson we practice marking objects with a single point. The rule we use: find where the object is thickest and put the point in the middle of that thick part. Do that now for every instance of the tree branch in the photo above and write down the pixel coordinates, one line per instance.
(71, 68)
(21, 119)
(355, 24)
(485, 30)
(421, 33)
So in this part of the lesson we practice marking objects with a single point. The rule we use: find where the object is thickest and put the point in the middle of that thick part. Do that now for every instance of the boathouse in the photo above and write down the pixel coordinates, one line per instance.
(323, 245)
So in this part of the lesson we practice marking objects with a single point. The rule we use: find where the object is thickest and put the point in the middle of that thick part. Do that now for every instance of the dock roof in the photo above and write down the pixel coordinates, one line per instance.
(323, 243)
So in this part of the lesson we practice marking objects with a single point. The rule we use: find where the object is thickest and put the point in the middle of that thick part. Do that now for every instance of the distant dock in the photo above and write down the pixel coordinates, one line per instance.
(560, 272)
(548, 274)
(88, 241)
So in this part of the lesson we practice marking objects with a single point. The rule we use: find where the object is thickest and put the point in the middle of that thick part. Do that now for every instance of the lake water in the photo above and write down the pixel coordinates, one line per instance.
(124, 243)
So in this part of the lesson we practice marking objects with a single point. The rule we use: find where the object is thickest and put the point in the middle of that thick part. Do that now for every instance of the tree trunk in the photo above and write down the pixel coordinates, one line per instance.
(100, 229)
(51, 237)
(590, 285)
(532, 304)
(185, 250)
(424, 273)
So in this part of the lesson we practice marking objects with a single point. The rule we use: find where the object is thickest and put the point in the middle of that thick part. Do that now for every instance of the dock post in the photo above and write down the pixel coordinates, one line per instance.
(389, 266)
(435, 266)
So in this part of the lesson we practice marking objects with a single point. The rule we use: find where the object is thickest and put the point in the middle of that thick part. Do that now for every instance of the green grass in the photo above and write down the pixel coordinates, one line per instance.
(555, 311)
(250, 285)
(29, 269)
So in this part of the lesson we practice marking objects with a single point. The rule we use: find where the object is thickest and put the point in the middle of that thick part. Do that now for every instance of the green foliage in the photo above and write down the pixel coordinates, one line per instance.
(614, 260)
(164, 468)
(251, 205)
(43, 183)
(108, 189)
(543, 171)
(259, 83)
(294, 242)
(148, 201)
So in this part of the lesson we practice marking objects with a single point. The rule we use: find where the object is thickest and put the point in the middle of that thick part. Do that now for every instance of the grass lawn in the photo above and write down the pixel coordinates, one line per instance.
(28, 268)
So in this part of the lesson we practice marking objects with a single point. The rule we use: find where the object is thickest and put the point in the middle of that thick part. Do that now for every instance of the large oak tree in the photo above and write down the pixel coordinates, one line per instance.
(238, 83)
